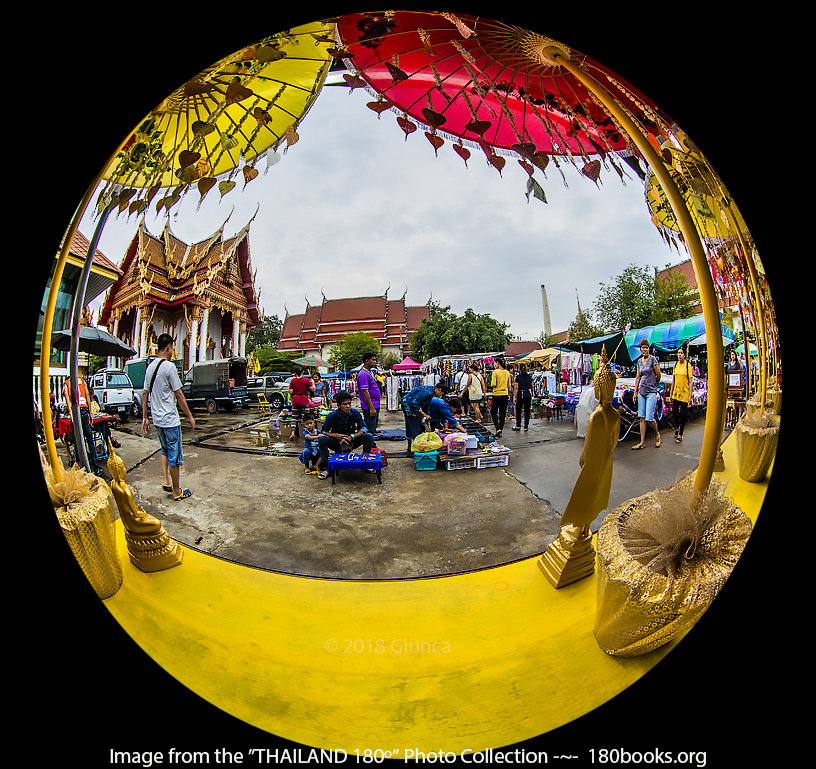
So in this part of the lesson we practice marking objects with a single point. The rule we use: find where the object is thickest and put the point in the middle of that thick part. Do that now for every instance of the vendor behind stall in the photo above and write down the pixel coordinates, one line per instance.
(441, 413)
(415, 406)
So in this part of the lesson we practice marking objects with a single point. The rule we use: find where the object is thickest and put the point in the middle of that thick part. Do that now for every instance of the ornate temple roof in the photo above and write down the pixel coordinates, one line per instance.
(166, 272)
(387, 320)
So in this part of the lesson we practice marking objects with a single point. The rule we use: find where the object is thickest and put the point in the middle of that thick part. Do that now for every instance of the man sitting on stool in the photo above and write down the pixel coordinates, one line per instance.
(343, 430)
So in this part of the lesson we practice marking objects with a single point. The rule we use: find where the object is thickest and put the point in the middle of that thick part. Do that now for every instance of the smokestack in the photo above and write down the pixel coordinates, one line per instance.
(547, 324)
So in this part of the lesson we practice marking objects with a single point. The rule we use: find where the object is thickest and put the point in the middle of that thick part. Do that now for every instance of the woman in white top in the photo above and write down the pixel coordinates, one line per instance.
(474, 387)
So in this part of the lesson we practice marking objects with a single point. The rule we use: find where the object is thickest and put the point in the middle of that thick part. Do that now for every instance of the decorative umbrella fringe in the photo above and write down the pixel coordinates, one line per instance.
(470, 143)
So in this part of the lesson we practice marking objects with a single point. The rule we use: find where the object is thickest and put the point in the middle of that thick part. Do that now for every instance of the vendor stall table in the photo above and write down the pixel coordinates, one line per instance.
(479, 460)
(339, 462)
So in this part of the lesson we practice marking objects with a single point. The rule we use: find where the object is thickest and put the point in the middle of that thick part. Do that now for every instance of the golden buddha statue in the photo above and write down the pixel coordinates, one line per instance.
(149, 545)
(571, 557)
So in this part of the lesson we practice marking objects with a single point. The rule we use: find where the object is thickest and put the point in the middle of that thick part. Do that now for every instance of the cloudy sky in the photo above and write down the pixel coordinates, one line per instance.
(354, 207)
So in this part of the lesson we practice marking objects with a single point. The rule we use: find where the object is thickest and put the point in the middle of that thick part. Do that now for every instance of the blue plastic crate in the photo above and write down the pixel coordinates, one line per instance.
(426, 460)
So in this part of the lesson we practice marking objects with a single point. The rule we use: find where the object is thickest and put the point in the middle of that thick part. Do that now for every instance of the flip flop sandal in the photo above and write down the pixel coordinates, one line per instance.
(678, 439)
(322, 475)
(657, 443)
(168, 489)
(637, 448)
(184, 494)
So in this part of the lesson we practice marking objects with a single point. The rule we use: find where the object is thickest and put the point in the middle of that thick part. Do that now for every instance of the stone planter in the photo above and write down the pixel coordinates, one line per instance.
(660, 566)
(757, 438)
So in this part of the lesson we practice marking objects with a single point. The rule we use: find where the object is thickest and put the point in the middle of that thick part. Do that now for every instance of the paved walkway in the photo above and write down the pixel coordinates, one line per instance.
(258, 508)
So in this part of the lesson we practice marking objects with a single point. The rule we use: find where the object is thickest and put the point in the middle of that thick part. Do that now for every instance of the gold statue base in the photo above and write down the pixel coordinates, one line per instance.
(153, 552)
(149, 546)
(570, 558)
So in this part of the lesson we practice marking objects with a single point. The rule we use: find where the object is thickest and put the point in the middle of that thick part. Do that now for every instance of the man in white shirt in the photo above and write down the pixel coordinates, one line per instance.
(163, 391)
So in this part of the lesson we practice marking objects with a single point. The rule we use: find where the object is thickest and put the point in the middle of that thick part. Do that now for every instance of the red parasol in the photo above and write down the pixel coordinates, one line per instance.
(487, 82)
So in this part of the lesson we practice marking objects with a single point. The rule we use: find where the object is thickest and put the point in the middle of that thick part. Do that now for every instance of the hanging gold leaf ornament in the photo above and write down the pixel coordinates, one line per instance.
(478, 126)
(397, 75)
(592, 170)
(272, 158)
(527, 167)
(225, 187)
(435, 119)
(407, 126)
(249, 174)
(261, 115)
(354, 81)
(237, 92)
(437, 141)
(379, 106)
(187, 158)
(228, 142)
(497, 161)
(291, 137)
(463, 152)
(200, 128)
(205, 185)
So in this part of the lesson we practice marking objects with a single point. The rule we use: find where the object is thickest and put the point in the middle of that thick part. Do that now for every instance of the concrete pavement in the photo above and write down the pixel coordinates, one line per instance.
(255, 506)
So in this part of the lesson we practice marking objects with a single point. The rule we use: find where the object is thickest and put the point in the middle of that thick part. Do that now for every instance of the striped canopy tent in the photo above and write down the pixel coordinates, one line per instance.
(616, 352)
(668, 337)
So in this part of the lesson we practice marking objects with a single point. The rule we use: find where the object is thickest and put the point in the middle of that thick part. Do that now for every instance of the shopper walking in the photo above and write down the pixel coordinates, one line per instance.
(681, 394)
(523, 396)
(163, 394)
(648, 377)
(500, 383)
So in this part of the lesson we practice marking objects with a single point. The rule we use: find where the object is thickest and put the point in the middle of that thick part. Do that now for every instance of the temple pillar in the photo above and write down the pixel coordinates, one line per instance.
(205, 322)
(136, 344)
(193, 357)
(236, 327)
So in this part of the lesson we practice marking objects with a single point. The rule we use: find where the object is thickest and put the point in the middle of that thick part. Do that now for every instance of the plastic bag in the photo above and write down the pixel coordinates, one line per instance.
(425, 442)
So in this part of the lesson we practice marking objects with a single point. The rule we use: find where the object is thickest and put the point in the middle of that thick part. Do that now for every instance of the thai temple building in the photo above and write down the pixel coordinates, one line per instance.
(203, 295)
(390, 321)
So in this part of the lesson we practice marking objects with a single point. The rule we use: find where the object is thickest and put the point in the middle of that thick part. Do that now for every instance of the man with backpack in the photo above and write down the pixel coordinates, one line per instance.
(163, 391)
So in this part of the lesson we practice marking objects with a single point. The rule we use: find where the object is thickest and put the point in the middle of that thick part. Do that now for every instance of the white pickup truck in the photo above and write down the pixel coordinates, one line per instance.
(113, 392)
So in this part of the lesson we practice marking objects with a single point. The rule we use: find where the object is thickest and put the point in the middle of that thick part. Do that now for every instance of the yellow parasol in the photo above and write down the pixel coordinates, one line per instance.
(230, 114)
(701, 189)
(226, 117)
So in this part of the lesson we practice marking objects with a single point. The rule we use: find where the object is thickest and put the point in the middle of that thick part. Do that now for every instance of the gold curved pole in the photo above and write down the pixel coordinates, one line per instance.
(715, 419)
(763, 383)
(48, 319)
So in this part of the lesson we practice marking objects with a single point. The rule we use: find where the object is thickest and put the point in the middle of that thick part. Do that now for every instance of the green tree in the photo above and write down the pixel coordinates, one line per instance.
(265, 335)
(581, 328)
(448, 334)
(269, 359)
(546, 340)
(673, 299)
(348, 354)
(628, 299)
(95, 363)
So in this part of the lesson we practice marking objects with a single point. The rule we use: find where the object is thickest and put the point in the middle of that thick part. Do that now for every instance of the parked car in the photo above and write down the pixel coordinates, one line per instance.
(217, 384)
(274, 387)
(113, 392)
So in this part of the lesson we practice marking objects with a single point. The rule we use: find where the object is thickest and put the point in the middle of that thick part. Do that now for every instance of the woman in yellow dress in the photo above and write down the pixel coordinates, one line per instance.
(681, 394)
